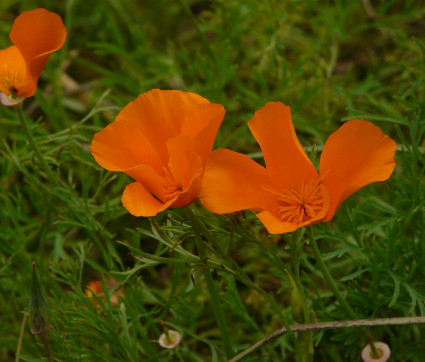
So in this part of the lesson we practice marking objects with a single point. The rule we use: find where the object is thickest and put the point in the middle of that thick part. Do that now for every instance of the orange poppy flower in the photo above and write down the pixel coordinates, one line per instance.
(36, 34)
(96, 288)
(162, 140)
(289, 193)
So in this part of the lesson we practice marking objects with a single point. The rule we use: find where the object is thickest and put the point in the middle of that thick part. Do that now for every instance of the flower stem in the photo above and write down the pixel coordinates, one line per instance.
(215, 301)
(44, 339)
(244, 278)
(33, 145)
(328, 277)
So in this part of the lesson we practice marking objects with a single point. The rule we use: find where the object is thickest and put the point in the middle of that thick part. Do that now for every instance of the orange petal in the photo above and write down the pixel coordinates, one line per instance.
(232, 182)
(190, 194)
(13, 73)
(159, 115)
(122, 145)
(184, 164)
(285, 159)
(150, 179)
(357, 154)
(139, 202)
(200, 126)
(274, 225)
(37, 34)
(161, 188)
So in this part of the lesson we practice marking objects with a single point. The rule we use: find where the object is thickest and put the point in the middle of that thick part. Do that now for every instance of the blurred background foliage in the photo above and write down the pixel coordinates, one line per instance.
(330, 61)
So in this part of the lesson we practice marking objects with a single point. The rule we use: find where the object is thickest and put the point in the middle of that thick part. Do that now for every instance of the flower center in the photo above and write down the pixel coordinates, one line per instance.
(306, 204)
(171, 187)
(14, 83)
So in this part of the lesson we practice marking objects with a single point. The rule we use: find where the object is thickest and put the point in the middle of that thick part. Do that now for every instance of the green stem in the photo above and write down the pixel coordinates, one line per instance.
(215, 301)
(244, 278)
(304, 343)
(328, 277)
(33, 145)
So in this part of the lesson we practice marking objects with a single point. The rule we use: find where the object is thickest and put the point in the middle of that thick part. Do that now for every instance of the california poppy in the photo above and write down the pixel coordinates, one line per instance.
(96, 288)
(36, 34)
(289, 192)
(162, 140)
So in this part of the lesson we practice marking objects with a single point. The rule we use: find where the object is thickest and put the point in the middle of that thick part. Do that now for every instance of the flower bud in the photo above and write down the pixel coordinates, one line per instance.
(296, 301)
(39, 315)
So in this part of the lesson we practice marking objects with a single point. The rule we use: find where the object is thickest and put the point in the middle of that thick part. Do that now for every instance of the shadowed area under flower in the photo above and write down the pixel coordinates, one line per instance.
(162, 140)
(289, 193)
(35, 35)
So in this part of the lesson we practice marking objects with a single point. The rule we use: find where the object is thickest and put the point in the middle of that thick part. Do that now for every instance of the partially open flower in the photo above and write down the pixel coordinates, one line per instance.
(382, 349)
(162, 140)
(169, 339)
(35, 35)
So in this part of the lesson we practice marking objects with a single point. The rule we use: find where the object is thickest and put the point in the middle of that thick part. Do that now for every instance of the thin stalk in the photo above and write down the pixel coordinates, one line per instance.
(44, 339)
(244, 278)
(215, 301)
(331, 325)
(33, 145)
(21, 337)
(299, 300)
(328, 277)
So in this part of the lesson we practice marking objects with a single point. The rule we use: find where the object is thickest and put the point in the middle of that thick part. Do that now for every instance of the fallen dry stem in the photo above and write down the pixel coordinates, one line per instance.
(331, 325)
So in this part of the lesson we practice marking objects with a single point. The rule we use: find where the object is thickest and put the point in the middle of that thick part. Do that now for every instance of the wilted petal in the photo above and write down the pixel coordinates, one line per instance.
(170, 339)
(383, 350)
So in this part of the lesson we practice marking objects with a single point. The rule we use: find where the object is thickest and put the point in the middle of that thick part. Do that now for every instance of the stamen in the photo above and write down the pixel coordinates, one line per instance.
(300, 205)
(171, 187)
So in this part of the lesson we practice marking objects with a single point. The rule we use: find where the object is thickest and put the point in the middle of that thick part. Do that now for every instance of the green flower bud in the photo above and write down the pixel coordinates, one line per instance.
(296, 301)
(39, 315)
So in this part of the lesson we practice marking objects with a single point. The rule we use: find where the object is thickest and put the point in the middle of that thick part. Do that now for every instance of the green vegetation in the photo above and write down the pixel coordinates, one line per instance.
(330, 61)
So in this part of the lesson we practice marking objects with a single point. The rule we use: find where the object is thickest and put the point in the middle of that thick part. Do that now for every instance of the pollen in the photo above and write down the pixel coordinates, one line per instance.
(171, 187)
(302, 205)
(14, 84)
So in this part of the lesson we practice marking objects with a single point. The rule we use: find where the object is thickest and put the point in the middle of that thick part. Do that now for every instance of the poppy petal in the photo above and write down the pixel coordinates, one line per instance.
(191, 193)
(200, 126)
(285, 159)
(274, 225)
(357, 154)
(184, 164)
(37, 34)
(122, 145)
(139, 202)
(13, 73)
(159, 115)
(233, 182)
(150, 179)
